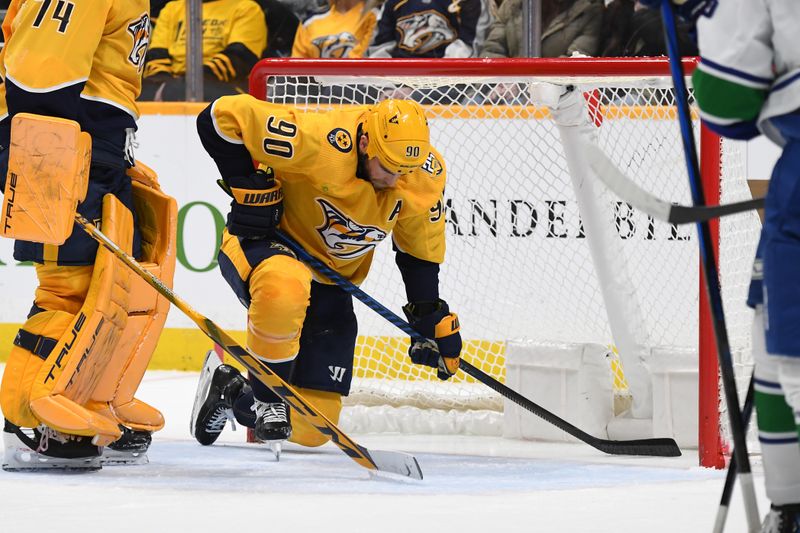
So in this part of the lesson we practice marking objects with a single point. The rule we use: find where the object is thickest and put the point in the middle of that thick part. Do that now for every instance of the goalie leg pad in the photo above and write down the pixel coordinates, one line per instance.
(157, 216)
(777, 428)
(48, 169)
(275, 287)
(329, 404)
(32, 345)
(66, 381)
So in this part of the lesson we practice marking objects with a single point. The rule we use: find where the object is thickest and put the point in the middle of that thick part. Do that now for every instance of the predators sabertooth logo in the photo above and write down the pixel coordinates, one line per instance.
(345, 238)
(425, 31)
(336, 46)
(140, 33)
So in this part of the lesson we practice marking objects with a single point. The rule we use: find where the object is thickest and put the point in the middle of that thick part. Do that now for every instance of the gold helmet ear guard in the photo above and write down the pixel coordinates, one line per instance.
(398, 135)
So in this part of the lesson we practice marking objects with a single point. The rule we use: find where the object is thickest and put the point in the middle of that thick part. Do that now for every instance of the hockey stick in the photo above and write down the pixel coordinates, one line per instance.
(662, 447)
(632, 193)
(730, 478)
(711, 274)
(383, 461)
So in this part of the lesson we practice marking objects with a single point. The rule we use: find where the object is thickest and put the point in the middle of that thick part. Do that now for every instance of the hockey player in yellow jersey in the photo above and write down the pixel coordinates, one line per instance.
(344, 30)
(68, 385)
(339, 183)
(234, 37)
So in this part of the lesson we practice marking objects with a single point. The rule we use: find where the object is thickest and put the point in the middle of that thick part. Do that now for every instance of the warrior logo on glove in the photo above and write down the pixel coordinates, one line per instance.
(441, 347)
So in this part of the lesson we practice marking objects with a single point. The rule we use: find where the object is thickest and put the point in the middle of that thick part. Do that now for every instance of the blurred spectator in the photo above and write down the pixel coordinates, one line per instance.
(430, 28)
(155, 8)
(234, 37)
(633, 30)
(304, 9)
(569, 27)
(344, 30)
(282, 26)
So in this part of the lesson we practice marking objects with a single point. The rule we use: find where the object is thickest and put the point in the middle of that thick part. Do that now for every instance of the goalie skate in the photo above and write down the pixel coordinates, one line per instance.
(43, 448)
(272, 425)
(218, 387)
(130, 449)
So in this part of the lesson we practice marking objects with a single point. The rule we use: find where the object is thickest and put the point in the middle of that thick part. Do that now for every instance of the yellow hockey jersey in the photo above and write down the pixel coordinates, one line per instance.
(335, 33)
(225, 22)
(336, 216)
(59, 50)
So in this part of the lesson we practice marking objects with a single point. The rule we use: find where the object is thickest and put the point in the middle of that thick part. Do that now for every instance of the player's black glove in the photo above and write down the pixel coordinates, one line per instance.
(442, 350)
(257, 205)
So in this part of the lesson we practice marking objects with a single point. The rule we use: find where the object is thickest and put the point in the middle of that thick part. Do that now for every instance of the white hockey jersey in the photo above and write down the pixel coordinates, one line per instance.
(750, 66)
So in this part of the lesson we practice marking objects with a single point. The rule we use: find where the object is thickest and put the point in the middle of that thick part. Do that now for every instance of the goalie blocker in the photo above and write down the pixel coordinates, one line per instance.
(79, 358)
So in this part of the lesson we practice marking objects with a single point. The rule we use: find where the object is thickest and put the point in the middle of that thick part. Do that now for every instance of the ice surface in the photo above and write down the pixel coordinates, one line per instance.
(471, 485)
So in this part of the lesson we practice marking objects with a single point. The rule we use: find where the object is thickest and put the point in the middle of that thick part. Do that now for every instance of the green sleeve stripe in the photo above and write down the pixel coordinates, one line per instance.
(725, 99)
(774, 415)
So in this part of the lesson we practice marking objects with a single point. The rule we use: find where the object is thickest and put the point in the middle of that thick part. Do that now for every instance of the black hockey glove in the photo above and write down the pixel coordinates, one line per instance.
(257, 205)
(442, 350)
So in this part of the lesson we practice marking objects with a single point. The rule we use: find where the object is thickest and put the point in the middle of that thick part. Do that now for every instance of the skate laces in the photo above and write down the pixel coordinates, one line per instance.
(216, 423)
(47, 433)
(270, 412)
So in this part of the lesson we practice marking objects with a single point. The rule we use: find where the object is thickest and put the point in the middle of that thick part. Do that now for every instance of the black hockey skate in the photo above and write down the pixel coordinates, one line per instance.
(44, 448)
(273, 425)
(782, 519)
(217, 389)
(129, 449)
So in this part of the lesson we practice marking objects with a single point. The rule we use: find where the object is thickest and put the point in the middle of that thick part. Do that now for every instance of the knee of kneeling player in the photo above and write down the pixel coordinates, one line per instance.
(329, 404)
(280, 288)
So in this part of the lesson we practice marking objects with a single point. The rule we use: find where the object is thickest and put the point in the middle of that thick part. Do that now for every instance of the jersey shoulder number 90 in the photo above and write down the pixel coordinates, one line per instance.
(279, 138)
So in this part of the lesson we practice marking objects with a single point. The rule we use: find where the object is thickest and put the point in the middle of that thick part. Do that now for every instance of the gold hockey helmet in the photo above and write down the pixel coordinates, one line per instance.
(398, 135)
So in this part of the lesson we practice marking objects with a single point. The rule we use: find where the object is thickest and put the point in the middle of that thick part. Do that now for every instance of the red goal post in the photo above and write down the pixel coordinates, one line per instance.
(602, 73)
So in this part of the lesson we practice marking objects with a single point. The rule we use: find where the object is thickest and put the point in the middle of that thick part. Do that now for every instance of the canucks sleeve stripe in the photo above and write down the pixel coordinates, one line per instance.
(731, 129)
(733, 75)
(786, 80)
(724, 101)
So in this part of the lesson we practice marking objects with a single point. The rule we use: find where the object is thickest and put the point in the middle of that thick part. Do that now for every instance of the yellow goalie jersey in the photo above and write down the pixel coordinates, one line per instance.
(336, 216)
(335, 33)
(62, 58)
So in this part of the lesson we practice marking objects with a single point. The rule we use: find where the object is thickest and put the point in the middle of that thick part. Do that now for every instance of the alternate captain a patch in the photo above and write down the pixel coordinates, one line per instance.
(341, 140)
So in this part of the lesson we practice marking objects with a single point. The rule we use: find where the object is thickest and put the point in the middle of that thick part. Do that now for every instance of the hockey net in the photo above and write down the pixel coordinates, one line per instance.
(518, 265)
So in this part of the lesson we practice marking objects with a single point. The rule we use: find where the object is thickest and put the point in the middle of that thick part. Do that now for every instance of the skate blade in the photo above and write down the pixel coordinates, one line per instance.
(116, 458)
(276, 446)
(30, 461)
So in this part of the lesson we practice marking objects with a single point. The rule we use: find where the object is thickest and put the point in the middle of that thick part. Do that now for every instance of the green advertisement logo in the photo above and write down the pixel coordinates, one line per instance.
(219, 226)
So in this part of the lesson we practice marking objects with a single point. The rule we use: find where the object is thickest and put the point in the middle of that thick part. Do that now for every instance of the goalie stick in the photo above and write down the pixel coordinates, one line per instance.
(630, 192)
(381, 461)
(661, 447)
